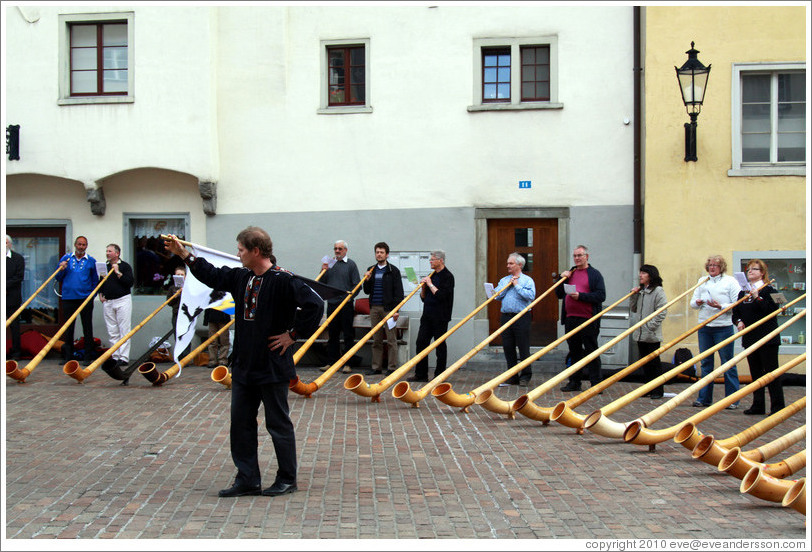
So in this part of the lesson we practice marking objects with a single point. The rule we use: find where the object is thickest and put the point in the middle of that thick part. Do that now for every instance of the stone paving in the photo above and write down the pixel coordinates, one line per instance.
(103, 461)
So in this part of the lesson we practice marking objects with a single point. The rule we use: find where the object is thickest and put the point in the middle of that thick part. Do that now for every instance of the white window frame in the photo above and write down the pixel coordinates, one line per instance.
(515, 44)
(324, 107)
(65, 20)
(763, 169)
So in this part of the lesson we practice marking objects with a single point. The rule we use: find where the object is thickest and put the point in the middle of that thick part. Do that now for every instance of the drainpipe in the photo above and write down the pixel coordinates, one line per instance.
(638, 131)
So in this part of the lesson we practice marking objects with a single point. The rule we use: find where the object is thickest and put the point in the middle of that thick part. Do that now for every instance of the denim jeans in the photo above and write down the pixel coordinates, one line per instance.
(708, 337)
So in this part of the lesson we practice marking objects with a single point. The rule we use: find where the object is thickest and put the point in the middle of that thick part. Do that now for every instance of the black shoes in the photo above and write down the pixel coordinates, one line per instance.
(374, 372)
(655, 397)
(240, 490)
(571, 387)
(279, 488)
(752, 412)
(417, 379)
(698, 404)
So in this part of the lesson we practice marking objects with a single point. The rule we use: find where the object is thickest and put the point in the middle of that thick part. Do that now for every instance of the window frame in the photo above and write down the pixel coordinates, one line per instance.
(65, 22)
(515, 44)
(739, 168)
(324, 101)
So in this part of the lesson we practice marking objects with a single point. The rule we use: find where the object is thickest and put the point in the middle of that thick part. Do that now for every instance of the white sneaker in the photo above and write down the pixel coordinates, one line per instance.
(346, 369)
(325, 368)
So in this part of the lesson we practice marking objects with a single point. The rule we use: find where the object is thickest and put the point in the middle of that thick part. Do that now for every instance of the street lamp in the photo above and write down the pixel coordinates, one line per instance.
(693, 79)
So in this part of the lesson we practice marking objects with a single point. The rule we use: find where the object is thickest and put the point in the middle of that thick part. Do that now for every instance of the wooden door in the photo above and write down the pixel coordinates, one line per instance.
(537, 241)
(41, 247)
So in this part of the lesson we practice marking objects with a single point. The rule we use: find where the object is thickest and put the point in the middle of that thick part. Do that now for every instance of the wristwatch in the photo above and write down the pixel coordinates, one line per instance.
(190, 259)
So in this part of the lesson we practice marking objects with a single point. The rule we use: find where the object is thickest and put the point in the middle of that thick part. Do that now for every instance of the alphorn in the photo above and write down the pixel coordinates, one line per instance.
(710, 450)
(374, 390)
(445, 393)
(20, 374)
(156, 378)
(490, 401)
(759, 483)
(297, 356)
(306, 389)
(735, 463)
(403, 390)
(638, 431)
(599, 421)
(563, 412)
(796, 497)
(11, 318)
(78, 373)
(220, 374)
(528, 408)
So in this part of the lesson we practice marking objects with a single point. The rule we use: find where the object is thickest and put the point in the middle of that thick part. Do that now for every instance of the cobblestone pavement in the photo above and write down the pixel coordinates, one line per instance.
(102, 461)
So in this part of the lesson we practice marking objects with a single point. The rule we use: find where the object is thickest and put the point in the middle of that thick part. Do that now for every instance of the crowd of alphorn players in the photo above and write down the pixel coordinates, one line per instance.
(769, 481)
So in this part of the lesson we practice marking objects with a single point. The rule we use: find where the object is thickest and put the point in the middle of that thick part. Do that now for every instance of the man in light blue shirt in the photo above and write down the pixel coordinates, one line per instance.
(514, 299)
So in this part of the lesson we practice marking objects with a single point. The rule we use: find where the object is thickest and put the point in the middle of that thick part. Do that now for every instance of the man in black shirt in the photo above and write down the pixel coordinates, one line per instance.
(272, 308)
(117, 303)
(15, 272)
(438, 301)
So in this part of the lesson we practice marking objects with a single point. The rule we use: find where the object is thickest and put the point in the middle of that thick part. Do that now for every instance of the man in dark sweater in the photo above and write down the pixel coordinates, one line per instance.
(438, 301)
(385, 289)
(117, 302)
(342, 275)
(273, 307)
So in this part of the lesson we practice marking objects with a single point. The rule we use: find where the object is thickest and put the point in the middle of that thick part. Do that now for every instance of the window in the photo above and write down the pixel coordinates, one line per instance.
(96, 58)
(152, 264)
(496, 74)
(515, 73)
(769, 119)
(347, 70)
(345, 76)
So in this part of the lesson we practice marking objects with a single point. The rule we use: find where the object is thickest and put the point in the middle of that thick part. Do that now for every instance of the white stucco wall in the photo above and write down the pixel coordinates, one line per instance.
(170, 125)
(420, 147)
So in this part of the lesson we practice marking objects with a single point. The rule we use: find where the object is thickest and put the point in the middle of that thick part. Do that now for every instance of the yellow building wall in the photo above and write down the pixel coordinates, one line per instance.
(694, 209)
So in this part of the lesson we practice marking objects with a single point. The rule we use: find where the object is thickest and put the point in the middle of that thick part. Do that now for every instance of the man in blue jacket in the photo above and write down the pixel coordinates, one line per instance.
(79, 278)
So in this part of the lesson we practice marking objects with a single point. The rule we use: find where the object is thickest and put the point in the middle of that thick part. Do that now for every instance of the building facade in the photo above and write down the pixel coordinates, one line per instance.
(479, 130)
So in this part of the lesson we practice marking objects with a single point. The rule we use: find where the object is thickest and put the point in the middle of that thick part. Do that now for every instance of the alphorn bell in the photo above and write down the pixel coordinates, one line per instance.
(563, 412)
(375, 390)
(306, 389)
(20, 374)
(796, 497)
(710, 450)
(527, 407)
(759, 483)
(490, 401)
(78, 373)
(599, 421)
(11, 318)
(403, 390)
(444, 392)
(735, 463)
(156, 378)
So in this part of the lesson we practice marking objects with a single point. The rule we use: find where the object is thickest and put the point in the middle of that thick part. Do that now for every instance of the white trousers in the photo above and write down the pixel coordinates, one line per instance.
(117, 314)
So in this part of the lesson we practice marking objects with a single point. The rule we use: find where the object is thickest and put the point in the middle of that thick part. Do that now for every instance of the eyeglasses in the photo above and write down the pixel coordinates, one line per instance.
(579, 255)
(753, 268)
(712, 264)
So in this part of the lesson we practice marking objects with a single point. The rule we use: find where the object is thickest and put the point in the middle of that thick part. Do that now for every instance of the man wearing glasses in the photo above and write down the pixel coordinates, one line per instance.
(342, 275)
(578, 307)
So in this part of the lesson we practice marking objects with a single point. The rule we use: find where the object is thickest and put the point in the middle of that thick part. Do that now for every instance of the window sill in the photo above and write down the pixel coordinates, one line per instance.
(515, 107)
(344, 110)
(84, 100)
(768, 171)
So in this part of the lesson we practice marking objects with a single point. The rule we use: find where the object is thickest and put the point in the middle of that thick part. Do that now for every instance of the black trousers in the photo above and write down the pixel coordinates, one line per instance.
(517, 336)
(245, 401)
(762, 361)
(653, 368)
(431, 328)
(341, 324)
(580, 345)
(14, 329)
(70, 306)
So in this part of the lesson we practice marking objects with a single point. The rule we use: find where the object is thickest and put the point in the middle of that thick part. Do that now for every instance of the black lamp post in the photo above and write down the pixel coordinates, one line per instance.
(693, 79)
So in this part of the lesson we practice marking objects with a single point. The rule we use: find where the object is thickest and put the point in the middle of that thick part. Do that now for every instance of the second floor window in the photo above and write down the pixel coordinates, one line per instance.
(773, 117)
(346, 75)
(98, 59)
(535, 73)
(496, 74)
